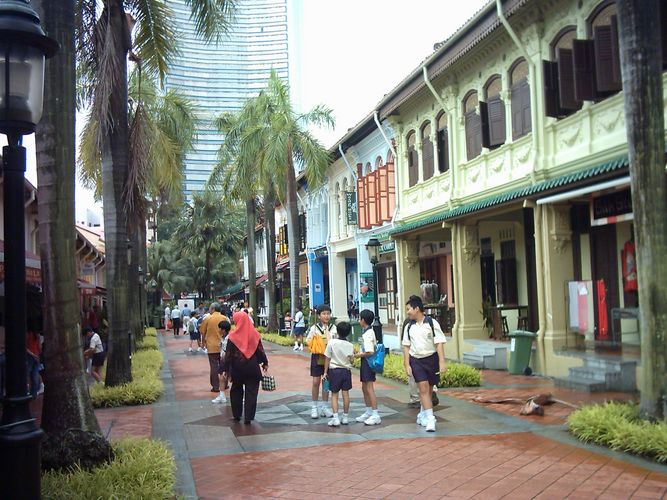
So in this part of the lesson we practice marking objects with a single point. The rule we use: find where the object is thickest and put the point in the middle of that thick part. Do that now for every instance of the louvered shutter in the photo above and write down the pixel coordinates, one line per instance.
(371, 192)
(427, 158)
(484, 119)
(413, 173)
(361, 204)
(566, 80)
(583, 61)
(607, 61)
(551, 102)
(391, 190)
(443, 150)
(473, 127)
(497, 127)
(383, 193)
(527, 123)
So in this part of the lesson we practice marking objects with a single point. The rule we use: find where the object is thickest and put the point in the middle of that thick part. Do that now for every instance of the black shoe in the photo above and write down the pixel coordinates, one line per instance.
(215, 390)
(434, 398)
(247, 422)
(238, 419)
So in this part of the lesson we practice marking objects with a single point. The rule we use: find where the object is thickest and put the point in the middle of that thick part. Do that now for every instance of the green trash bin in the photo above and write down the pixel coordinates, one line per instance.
(521, 346)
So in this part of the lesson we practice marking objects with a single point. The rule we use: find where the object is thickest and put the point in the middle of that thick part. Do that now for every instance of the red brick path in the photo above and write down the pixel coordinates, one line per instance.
(512, 466)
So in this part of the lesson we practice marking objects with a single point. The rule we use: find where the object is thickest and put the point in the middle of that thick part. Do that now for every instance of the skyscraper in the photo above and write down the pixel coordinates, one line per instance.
(221, 77)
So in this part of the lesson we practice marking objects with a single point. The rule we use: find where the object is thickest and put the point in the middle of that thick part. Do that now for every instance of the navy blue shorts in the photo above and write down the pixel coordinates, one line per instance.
(299, 331)
(367, 375)
(315, 369)
(340, 379)
(195, 336)
(424, 369)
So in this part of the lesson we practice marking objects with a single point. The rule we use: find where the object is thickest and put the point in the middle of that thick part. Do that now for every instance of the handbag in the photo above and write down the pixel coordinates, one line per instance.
(268, 383)
(170, 325)
(316, 345)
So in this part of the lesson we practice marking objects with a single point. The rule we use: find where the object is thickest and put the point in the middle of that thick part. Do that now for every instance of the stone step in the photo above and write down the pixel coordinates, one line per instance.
(607, 364)
(473, 360)
(581, 384)
(585, 373)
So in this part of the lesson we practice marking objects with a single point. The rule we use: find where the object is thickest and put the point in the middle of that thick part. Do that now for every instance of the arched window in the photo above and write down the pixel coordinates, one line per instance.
(559, 82)
(493, 124)
(473, 125)
(603, 28)
(427, 151)
(443, 143)
(413, 164)
(368, 169)
(520, 90)
(378, 162)
(390, 157)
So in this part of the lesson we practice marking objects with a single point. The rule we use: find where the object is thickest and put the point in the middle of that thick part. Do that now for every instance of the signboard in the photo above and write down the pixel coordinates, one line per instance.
(32, 275)
(351, 207)
(367, 287)
(611, 208)
(387, 247)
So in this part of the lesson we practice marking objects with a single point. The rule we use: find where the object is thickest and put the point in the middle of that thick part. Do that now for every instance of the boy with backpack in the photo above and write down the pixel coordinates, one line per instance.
(339, 354)
(193, 330)
(424, 356)
(318, 337)
(367, 376)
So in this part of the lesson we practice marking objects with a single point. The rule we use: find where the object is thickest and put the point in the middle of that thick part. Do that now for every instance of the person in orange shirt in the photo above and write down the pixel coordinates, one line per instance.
(211, 337)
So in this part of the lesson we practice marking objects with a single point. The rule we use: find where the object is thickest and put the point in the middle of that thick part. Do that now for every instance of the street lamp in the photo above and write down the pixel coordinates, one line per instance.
(212, 288)
(280, 275)
(373, 249)
(23, 49)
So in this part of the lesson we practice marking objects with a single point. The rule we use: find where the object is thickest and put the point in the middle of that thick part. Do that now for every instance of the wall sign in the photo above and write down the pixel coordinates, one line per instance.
(367, 287)
(351, 207)
(388, 246)
(611, 208)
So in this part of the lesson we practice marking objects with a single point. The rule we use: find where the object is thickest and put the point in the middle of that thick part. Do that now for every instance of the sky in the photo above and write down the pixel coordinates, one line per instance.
(351, 53)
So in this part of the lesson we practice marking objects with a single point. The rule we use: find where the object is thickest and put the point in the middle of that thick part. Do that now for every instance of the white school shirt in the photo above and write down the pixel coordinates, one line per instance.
(299, 319)
(96, 343)
(339, 351)
(421, 339)
(330, 332)
(175, 313)
(368, 340)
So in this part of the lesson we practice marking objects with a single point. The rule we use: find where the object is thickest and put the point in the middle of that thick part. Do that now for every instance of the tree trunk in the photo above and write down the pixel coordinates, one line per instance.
(114, 177)
(135, 308)
(66, 402)
(270, 239)
(143, 262)
(252, 256)
(292, 232)
(641, 68)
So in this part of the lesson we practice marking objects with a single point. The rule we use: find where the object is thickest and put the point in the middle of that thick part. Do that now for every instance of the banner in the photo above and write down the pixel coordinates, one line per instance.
(351, 207)
(367, 287)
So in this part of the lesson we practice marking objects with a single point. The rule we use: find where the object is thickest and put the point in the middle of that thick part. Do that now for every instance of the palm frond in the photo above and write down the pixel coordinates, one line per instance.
(141, 136)
(89, 161)
(213, 18)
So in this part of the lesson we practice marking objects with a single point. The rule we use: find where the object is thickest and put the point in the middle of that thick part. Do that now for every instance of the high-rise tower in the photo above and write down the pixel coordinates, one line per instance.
(221, 77)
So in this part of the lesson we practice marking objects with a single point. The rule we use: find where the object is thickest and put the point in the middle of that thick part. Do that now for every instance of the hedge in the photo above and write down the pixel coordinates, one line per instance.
(277, 339)
(142, 468)
(619, 427)
(145, 388)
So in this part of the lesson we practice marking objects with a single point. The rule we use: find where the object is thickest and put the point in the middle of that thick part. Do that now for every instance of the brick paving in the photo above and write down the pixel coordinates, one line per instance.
(127, 421)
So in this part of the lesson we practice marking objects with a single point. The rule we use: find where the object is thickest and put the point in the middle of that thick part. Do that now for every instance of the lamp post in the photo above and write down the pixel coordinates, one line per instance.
(373, 249)
(212, 288)
(280, 275)
(142, 297)
(23, 49)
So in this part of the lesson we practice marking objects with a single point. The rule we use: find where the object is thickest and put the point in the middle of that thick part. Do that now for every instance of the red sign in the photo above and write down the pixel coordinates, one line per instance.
(32, 275)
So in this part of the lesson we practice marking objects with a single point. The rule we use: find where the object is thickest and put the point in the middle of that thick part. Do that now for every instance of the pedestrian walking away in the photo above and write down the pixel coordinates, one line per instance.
(176, 319)
(243, 364)
(299, 328)
(211, 339)
(424, 357)
(224, 326)
(367, 376)
(193, 331)
(167, 316)
(339, 355)
(318, 337)
(95, 351)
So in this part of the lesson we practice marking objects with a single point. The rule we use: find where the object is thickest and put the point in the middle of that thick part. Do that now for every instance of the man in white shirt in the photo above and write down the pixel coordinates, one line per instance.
(424, 356)
(176, 319)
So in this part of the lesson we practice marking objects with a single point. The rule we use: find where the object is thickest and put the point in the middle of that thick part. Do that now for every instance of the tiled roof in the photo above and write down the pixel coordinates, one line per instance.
(515, 194)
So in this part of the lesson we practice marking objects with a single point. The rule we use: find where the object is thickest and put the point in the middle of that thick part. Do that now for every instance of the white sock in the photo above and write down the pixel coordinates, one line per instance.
(375, 413)
(369, 410)
(344, 415)
(222, 393)
(314, 404)
(428, 413)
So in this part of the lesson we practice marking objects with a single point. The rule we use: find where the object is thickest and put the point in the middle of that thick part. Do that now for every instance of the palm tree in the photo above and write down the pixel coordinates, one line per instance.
(104, 44)
(284, 140)
(169, 271)
(66, 402)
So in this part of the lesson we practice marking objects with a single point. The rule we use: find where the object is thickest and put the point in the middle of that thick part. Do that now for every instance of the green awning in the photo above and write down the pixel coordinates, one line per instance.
(230, 290)
(515, 194)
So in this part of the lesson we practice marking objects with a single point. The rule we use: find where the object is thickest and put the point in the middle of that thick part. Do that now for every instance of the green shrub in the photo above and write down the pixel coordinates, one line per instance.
(460, 375)
(145, 388)
(150, 332)
(619, 427)
(277, 339)
(148, 342)
(261, 329)
(142, 468)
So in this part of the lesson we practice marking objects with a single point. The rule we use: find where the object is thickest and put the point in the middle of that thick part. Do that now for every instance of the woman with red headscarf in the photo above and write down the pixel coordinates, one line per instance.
(241, 364)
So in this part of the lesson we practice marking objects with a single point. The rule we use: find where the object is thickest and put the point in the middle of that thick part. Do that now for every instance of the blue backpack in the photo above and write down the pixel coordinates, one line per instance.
(376, 361)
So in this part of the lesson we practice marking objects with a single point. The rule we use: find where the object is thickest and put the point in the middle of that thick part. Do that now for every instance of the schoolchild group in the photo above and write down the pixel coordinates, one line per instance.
(332, 356)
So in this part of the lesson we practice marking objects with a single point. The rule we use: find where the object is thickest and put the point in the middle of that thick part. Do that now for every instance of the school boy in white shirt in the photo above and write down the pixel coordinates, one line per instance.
(424, 356)
(339, 354)
(326, 331)
(366, 375)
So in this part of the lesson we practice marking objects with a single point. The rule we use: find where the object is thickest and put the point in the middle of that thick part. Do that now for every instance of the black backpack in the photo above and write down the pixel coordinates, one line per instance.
(410, 322)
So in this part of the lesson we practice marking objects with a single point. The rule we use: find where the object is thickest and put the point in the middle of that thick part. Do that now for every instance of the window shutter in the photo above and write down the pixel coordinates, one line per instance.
(566, 80)
(521, 119)
(391, 189)
(484, 119)
(607, 67)
(413, 173)
(427, 158)
(473, 127)
(443, 150)
(361, 203)
(383, 193)
(360, 170)
(371, 203)
(583, 60)
(496, 116)
(551, 102)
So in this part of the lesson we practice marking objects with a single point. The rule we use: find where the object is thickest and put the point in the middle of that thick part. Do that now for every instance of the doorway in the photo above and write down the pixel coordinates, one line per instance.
(604, 264)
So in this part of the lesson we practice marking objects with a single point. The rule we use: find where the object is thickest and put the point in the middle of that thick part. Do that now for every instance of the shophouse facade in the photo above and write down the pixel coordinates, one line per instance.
(513, 179)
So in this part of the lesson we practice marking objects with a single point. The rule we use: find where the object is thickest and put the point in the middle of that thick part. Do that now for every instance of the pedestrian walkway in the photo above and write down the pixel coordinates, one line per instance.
(478, 451)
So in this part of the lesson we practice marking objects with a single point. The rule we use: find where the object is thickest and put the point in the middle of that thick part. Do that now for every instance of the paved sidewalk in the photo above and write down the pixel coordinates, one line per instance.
(478, 451)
